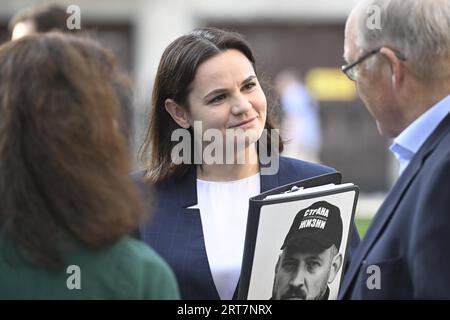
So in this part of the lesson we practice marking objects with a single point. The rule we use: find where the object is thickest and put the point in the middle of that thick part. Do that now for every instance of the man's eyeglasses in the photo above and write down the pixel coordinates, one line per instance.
(349, 69)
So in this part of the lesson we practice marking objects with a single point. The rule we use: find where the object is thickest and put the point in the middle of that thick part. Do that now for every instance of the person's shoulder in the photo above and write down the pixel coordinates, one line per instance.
(133, 250)
(150, 277)
(443, 145)
(438, 160)
(291, 165)
(293, 169)
(137, 251)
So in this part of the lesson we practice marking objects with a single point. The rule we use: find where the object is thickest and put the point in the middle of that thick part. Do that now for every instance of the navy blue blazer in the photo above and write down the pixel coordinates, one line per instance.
(176, 232)
(409, 239)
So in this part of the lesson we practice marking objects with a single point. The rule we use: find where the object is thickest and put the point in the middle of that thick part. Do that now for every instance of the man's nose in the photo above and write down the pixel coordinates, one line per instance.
(299, 278)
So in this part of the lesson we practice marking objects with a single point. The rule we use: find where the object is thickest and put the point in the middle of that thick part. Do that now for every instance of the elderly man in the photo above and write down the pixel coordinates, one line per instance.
(402, 72)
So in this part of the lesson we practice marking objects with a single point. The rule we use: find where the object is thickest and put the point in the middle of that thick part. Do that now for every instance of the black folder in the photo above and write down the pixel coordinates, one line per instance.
(296, 240)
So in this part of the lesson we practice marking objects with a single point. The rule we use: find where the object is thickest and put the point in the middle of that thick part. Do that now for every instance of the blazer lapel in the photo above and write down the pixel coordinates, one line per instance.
(269, 181)
(188, 187)
(392, 201)
(187, 191)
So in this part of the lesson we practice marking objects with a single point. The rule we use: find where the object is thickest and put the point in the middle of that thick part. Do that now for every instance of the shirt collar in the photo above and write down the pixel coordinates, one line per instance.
(409, 141)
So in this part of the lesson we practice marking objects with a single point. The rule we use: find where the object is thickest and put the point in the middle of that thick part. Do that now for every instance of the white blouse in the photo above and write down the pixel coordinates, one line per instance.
(223, 209)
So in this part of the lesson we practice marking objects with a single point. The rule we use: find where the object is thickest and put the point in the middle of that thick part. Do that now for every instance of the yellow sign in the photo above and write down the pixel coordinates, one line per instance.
(329, 84)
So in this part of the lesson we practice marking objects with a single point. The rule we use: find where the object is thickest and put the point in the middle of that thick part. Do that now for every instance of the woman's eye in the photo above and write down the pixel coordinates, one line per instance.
(249, 86)
(218, 99)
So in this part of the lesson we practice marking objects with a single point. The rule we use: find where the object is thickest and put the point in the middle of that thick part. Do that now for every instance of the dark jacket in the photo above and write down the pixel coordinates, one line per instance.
(407, 245)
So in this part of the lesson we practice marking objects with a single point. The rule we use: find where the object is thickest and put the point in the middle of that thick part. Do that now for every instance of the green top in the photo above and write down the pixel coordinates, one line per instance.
(128, 269)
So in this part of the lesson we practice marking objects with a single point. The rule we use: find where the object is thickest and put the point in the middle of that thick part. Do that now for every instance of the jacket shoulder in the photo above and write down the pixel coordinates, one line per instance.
(302, 169)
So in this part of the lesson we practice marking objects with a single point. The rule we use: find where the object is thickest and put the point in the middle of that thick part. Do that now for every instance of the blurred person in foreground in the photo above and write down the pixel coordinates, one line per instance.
(402, 74)
(67, 202)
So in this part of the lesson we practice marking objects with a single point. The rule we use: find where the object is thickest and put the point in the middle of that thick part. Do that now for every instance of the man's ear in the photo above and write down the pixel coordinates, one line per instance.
(278, 263)
(396, 66)
(178, 113)
(336, 264)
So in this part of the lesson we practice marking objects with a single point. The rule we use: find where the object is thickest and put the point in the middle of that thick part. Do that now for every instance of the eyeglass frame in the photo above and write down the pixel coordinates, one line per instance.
(345, 68)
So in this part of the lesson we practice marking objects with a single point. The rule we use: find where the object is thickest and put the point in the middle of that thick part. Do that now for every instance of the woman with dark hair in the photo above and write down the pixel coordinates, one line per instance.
(206, 85)
(67, 203)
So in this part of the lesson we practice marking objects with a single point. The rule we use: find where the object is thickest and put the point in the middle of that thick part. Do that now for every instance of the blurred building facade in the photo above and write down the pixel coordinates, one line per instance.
(303, 35)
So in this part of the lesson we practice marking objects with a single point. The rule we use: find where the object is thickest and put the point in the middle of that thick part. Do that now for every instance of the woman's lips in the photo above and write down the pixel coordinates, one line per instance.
(245, 123)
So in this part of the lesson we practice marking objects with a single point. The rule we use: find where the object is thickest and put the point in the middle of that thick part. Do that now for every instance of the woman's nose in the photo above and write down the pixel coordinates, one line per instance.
(240, 104)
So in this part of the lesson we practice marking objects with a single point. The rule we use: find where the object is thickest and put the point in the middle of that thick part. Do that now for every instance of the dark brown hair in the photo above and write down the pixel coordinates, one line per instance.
(176, 71)
(45, 17)
(63, 159)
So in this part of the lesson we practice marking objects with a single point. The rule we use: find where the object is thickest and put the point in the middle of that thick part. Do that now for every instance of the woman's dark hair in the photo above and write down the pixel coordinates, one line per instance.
(64, 161)
(176, 72)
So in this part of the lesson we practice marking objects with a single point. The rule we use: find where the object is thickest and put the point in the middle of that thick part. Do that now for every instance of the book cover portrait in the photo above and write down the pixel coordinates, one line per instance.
(300, 247)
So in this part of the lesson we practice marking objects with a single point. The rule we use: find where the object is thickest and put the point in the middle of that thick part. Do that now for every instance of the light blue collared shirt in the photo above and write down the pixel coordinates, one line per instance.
(409, 141)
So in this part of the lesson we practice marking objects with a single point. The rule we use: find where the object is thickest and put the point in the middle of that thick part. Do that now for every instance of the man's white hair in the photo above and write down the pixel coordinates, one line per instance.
(418, 29)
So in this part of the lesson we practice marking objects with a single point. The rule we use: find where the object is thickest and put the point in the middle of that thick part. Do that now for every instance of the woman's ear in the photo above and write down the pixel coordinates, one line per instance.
(178, 113)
